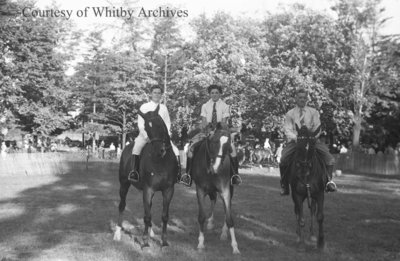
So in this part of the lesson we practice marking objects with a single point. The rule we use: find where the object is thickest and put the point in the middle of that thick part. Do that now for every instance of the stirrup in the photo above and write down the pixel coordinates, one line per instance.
(186, 180)
(327, 189)
(133, 176)
(237, 178)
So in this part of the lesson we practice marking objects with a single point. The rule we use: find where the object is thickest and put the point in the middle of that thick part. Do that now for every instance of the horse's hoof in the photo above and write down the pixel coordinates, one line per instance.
(301, 248)
(313, 239)
(224, 237)
(200, 248)
(152, 233)
(117, 233)
(210, 225)
(321, 246)
(236, 251)
(117, 237)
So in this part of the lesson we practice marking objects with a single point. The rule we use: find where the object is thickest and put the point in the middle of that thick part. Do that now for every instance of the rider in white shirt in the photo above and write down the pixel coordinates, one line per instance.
(156, 93)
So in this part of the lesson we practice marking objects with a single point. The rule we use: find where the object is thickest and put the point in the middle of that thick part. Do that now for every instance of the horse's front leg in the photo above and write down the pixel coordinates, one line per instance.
(226, 198)
(167, 197)
(148, 194)
(298, 209)
(312, 212)
(210, 220)
(202, 216)
(320, 219)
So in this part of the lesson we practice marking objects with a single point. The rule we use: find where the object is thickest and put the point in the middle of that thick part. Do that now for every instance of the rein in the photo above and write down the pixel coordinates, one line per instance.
(303, 180)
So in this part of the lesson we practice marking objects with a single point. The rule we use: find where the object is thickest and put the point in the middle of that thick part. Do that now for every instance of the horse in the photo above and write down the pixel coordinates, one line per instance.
(211, 171)
(307, 182)
(158, 169)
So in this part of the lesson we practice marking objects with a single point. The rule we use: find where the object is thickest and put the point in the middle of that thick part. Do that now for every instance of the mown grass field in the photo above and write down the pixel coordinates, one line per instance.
(71, 216)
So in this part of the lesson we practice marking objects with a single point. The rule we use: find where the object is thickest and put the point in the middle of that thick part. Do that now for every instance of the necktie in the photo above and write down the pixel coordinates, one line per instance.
(214, 114)
(301, 116)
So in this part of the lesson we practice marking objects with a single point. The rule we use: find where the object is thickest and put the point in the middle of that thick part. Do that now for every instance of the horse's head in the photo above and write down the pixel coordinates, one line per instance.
(219, 144)
(305, 149)
(156, 131)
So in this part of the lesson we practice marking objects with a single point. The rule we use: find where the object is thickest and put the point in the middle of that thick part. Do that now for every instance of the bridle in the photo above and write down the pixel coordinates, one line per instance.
(305, 164)
(166, 142)
(208, 153)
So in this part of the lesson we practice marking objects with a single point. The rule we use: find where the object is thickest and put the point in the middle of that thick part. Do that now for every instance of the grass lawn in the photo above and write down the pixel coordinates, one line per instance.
(72, 216)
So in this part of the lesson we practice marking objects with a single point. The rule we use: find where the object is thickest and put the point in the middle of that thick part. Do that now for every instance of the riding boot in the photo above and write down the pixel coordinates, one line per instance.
(235, 179)
(330, 185)
(179, 176)
(134, 176)
(186, 179)
(284, 181)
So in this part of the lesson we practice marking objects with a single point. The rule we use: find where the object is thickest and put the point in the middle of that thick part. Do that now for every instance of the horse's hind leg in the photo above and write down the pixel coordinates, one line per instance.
(226, 198)
(210, 220)
(312, 212)
(320, 218)
(148, 194)
(167, 196)
(123, 191)
(202, 216)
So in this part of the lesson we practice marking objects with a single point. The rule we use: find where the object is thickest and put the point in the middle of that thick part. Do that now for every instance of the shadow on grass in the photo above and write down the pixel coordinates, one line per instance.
(72, 216)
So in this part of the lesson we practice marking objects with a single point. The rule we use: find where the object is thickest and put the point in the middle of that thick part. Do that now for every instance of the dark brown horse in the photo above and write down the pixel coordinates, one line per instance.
(158, 171)
(211, 171)
(307, 182)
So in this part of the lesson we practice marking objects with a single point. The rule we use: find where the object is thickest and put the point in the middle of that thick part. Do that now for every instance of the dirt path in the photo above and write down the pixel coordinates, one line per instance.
(71, 217)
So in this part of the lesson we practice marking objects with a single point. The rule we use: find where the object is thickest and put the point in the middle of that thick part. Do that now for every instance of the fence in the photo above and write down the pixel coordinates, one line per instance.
(369, 164)
(54, 163)
(61, 163)
(43, 163)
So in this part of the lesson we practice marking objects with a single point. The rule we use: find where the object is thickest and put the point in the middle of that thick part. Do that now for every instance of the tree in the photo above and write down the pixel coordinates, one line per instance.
(32, 90)
(359, 22)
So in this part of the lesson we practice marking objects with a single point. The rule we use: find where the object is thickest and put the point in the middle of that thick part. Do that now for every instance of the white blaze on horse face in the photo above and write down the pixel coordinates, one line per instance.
(222, 141)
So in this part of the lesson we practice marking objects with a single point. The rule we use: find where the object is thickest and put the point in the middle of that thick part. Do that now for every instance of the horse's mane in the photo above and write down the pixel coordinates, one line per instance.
(164, 126)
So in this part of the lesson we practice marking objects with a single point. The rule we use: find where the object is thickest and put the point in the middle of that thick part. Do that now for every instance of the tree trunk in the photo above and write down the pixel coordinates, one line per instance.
(356, 130)
(123, 130)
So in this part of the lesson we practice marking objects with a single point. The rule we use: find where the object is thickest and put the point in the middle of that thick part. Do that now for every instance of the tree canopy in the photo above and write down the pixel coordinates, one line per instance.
(350, 70)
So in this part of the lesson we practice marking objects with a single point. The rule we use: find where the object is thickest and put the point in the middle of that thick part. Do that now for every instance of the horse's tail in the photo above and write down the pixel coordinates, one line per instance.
(126, 156)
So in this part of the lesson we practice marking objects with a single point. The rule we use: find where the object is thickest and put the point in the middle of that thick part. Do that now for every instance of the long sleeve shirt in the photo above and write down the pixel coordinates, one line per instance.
(310, 120)
(151, 106)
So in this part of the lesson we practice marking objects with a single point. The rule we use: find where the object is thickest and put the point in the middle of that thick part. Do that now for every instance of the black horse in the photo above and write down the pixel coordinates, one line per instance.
(158, 170)
(307, 182)
(211, 171)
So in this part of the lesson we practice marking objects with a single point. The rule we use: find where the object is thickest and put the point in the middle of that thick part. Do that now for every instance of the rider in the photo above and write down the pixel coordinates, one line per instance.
(156, 93)
(303, 115)
(213, 111)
